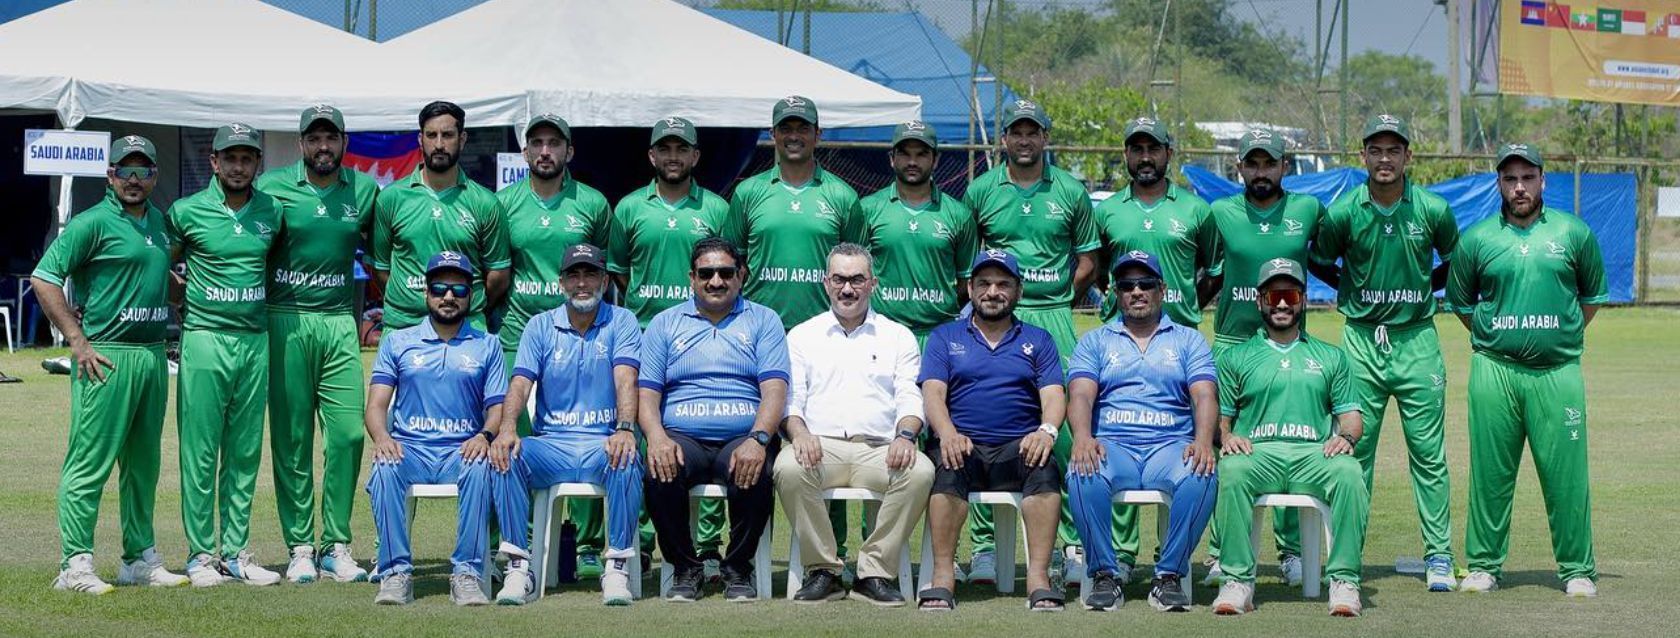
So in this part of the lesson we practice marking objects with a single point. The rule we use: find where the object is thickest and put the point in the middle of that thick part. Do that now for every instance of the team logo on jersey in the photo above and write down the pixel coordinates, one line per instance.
(1172, 356)
(1314, 366)
(1554, 248)
(320, 210)
(545, 221)
(1178, 227)
(418, 359)
(671, 222)
(1149, 224)
(1572, 416)
(1414, 230)
(559, 355)
(600, 350)
(795, 206)
(955, 349)
(149, 241)
(573, 223)
(437, 212)
(824, 210)
(1026, 209)
(1292, 227)
(1388, 229)
(680, 344)
(238, 229)
(940, 230)
(1523, 250)
(1027, 349)
(469, 364)
(1056, 210)
(350, 212)
(1283, 364)
(1113, 357)
(1265, 228)
(914, 226)
(1438, 380)
(465, 219)
(263, 229)
(742, 337)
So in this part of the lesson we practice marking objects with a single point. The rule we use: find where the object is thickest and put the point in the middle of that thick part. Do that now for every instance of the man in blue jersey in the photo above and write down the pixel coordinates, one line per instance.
(582, 359)
(1143, 406)
(449, 383)
(713, 381)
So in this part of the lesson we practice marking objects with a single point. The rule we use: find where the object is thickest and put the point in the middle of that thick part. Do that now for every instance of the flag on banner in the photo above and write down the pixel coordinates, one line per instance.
(1610, 20)
(1557, 15)
(1534, 13)
(386, 157)
(1633, 22)
(1583, 21)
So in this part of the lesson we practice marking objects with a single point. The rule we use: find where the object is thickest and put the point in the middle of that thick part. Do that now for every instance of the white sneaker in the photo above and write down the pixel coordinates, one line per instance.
(203, 570)
(1291, 568)
(148, 570)
(1439, 574)
(1215, 575)
(244, 567)
(1235, 598)
(1479, 582)
(465, 590)
(1580, 588)
(517, 585)
(395, 589)
(340, 566)
(1344, 599)
(302, 568)
(1073, 566)
(78, 576)
(615, 584)
(982, 568)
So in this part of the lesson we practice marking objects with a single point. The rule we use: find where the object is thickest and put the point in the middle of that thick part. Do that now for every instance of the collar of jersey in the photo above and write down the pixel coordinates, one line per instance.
(415, 180)
(467, 331)
(1170, 195)
(816, 179)
(1269, 212)
(1541, 219)
(1363, 197)
(834, 322)
(692, 307)
(303, 175)
(568, 187)
(932, 202)
(563, 318)
(693, 194)
(1008, 335)
(1118, 326)
(1298, 340)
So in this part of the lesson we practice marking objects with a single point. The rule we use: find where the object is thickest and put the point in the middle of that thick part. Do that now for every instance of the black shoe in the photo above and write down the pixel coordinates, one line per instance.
(1105, 593)
(647, 564)
(1167, 595)
(685, 586)
(820, 586)
(879, 591)
(738, 587)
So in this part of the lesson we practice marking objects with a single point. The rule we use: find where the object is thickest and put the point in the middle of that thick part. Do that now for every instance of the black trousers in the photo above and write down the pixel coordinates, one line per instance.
(749, 509)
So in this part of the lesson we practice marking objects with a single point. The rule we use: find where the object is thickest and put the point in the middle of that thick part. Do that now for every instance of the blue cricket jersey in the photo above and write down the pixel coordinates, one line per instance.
(574, 372)
(709, 374)
(442, 387)
(1143, 398)
(992, 392)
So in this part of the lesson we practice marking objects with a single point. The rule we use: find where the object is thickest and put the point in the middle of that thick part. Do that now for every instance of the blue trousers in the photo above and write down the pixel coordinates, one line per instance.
(1128, 467)
(428, 464)
(569, 458)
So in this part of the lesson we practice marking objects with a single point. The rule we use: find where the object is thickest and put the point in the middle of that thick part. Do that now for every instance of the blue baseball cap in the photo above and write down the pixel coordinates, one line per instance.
(995, 257)
(1137, 258)
(449, 260)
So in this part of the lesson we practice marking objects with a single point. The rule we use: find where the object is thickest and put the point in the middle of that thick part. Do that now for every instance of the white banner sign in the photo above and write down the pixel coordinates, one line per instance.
(58, 152)
(1668, 201)
(510, 168)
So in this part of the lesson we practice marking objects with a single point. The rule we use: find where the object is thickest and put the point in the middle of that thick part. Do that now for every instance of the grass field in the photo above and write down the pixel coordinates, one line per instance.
(1631, 368)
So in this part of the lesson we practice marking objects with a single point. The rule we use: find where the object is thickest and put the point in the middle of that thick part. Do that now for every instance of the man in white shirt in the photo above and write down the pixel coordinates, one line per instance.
(854, 414)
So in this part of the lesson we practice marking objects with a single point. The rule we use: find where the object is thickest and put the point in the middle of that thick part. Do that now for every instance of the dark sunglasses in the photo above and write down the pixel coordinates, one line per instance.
(1145, 284)
(1286, 296)
(439, 289)
(725, 273)
(134, 172)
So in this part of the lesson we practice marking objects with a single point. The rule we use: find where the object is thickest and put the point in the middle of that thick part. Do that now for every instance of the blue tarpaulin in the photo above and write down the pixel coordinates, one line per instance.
(1607, 205)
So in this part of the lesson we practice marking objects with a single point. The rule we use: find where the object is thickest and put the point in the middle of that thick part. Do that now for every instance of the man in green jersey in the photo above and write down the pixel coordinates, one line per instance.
(787, 218)
(1387, 233)
(1042, 215)
(1289, 419)
(118, 254)
(436, 209)
(225, 233)
(1526, 284)
(548, 212)
(1263, 223)
(922, 240)
(315, 359)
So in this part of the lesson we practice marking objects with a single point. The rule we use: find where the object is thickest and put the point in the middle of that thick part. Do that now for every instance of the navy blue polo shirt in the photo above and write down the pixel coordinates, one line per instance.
(992, 392)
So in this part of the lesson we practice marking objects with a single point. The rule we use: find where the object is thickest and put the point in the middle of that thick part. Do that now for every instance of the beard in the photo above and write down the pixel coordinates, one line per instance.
(1152, 179)
(680, 177)
(1002, 313)
(325, 167)
(448, 320)
(440, 161)
(584, 305)
(1262, 188)
(549, 173)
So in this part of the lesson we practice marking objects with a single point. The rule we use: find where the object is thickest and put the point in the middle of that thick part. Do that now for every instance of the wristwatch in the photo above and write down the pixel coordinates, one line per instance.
(625, 426)
(488, 437)
(1048, 429)
(907, 435)
(762, 437)
(1349, 438)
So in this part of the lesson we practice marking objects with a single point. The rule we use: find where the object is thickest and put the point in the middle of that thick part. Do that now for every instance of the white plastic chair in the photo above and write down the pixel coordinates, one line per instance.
(545, 535)
(440, 490)
(1163, 504)
(1006, 519)
(872, 500)
(1315, 517)
(6, 318)
(761, 560)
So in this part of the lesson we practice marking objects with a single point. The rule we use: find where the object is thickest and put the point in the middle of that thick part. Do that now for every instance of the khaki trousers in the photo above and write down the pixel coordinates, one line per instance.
(857, 464)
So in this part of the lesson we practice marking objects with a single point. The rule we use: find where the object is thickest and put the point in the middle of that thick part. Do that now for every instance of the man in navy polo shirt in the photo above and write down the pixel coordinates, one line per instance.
(713, 381)
(582, 359)
(449, 383)
(992, 392)
(1143, 405)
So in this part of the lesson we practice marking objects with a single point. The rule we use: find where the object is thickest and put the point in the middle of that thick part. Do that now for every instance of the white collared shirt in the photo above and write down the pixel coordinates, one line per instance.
(862, 383)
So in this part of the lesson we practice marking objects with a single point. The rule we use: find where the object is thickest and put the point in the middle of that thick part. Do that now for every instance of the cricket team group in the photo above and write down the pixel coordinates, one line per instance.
(797, 338)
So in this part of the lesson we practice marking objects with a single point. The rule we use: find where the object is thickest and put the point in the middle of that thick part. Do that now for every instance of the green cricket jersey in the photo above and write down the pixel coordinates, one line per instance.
(227, 258)
(1386, 255)
(412, 222)
(121, 269)
(1043, 226)
(1249, 237)
(1285, 393)
(313, 264)
(649, 241)
(1524, 287)
(539, 232)
(787, 232)
(920, 254)
(1177, 230)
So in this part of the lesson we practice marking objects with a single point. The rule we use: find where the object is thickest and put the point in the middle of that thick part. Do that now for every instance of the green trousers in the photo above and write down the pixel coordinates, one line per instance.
(1286, 522)
(1548, 407)
(1295, 468)
(314, 372)
(1405, 363)
(117, 422)
(1059, 323)
(222, 386)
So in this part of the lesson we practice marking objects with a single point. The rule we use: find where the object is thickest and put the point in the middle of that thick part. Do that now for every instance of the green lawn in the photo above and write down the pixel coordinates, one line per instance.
(1631, 372)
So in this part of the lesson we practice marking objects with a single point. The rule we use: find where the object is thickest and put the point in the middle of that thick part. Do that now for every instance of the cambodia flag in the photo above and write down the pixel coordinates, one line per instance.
(1534, 13)
(385, 156)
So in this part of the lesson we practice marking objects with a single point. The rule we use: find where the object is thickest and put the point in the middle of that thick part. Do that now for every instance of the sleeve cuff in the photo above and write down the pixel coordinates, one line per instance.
(380, 265)
(1346, 408)
(1224, 411)
(1204, 377)
(493, 401)
(1082, 375)
(773, 374)
(525, 372)
(647, 384)
(499, 265)
(628, 361)
(48, 277)
(1593, 300)
(380, 378)
(617, 269)
(1089, 247)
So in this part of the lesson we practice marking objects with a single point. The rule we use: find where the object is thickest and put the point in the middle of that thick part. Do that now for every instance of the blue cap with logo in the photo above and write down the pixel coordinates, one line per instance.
(995, 257)
(1138, 258)
(449, 260)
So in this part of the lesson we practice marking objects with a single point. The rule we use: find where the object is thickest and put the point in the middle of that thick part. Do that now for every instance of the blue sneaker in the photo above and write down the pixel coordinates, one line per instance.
(339, 565)
(1439, 574)
(589, 566)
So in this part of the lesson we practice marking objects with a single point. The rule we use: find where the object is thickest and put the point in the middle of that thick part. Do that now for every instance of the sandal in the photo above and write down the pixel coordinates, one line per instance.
(1038, 596)
(928, 597)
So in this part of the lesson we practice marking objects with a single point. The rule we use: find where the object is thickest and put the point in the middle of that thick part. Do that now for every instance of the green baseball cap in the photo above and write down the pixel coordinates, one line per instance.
(550, 119)
(1385, 123)
(1282, 267)
(1151, 127)
(915, 130)
(1260, 139)
(236, 134)
(320, 113)
(1525, 152)
(1025, 110)
(794, 106)
(676, 127)
(127, 145)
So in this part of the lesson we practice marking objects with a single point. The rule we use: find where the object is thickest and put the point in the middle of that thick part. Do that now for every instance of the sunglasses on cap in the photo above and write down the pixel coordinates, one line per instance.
(439, 289)
(725, 273)
(1285, 296)
(1145, 284)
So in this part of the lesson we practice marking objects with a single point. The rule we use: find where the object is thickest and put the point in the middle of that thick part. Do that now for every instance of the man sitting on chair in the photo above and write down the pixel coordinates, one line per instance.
(449, 384)
(853, 416)
(1142, 407)
(582, 359)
